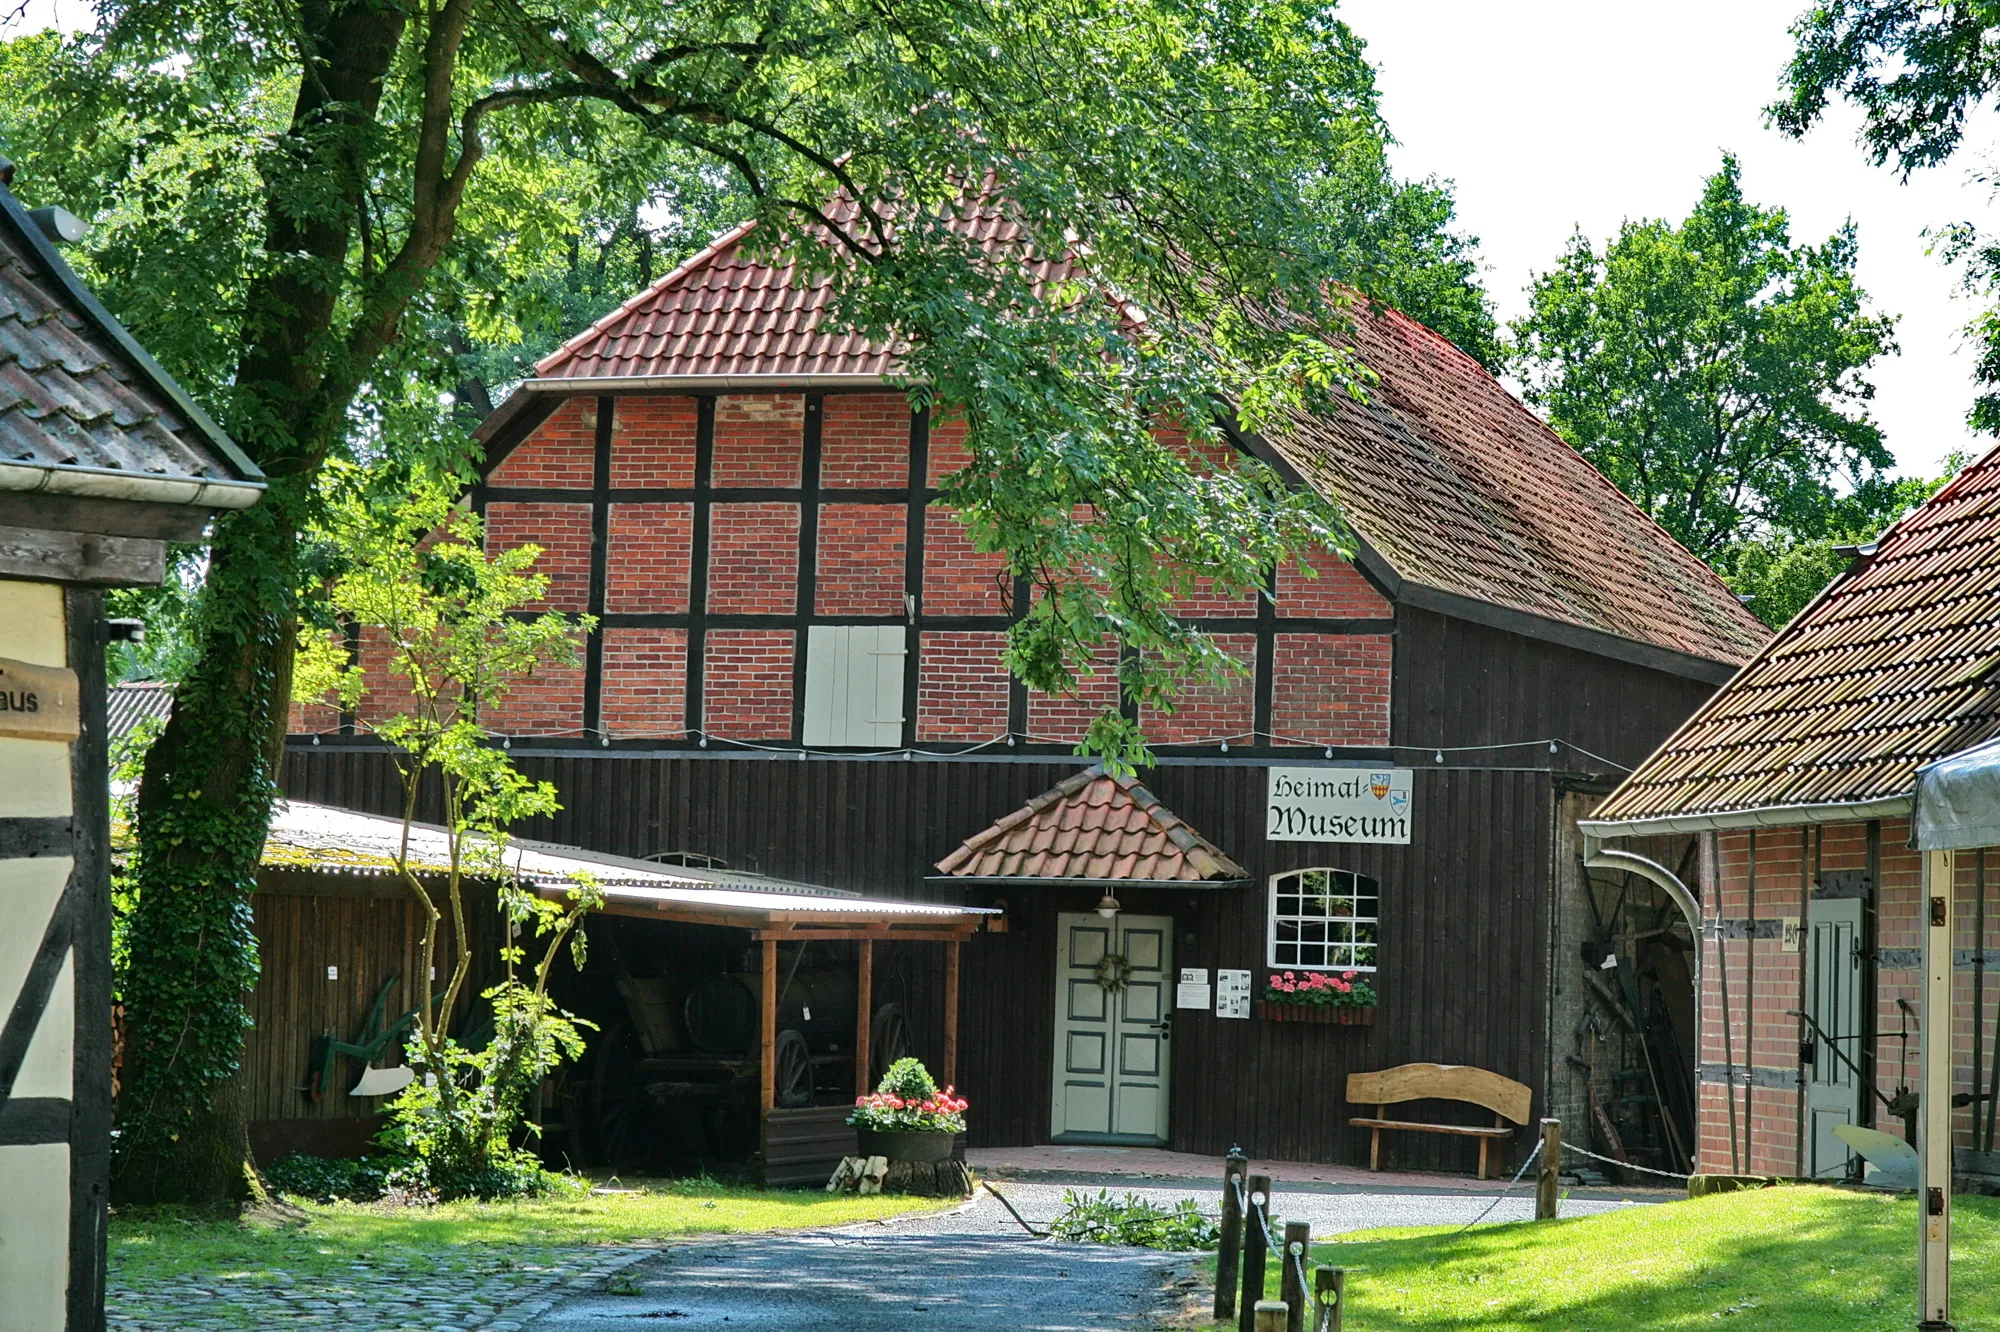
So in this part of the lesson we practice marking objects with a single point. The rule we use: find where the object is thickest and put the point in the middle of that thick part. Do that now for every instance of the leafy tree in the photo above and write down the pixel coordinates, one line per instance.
(1919, 71)
(1713, 370)
(333, 219)
(415, 574)
(1779, 573)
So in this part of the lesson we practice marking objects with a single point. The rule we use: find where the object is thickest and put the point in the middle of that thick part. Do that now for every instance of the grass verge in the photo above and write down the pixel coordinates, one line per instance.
(157, 1243)
(1827, 1260)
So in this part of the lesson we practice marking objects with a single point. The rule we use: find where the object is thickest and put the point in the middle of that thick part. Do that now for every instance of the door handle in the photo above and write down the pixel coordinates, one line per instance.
(1165, 1026)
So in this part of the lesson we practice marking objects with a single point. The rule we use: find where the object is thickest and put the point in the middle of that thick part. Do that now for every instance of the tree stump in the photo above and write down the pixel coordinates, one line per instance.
(928, 1179)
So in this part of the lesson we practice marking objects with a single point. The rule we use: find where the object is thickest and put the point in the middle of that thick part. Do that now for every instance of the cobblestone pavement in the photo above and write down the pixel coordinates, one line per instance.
(476, 1289)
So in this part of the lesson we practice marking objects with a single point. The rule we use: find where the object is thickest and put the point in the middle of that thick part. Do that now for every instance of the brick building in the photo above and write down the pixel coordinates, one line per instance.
(1800, 772)
(798, 671)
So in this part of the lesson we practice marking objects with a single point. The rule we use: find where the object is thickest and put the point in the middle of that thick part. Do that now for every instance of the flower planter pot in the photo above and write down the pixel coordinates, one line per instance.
(1351, 1015)
(932, 1145)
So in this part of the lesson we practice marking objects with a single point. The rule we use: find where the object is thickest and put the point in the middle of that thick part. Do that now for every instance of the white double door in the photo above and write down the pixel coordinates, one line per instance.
(1112, 1045)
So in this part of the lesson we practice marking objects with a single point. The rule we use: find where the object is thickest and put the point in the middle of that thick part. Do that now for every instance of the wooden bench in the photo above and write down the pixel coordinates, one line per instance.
(1506, 1098)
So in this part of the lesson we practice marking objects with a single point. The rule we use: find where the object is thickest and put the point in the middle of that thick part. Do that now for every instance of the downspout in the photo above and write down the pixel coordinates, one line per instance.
(1596, 855)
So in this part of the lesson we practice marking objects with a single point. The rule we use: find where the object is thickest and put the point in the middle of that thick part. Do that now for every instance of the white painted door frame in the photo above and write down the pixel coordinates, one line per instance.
(1112, 1061)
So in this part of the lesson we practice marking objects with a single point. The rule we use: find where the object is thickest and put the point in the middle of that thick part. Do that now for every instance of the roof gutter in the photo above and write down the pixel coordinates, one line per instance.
(1783, 816)
(1073, 881)
(140, 487)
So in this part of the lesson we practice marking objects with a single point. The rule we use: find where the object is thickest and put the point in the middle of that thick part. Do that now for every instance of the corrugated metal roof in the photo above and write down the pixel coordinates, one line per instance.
(126, 705)
(76, 392)
(1093, 826)
(1896, 664)
(1443, 472)
(322, 839)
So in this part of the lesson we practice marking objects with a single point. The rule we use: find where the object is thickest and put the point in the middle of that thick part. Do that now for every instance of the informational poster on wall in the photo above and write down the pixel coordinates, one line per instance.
(1338, 805)
(1232, 993)
(1193, 991)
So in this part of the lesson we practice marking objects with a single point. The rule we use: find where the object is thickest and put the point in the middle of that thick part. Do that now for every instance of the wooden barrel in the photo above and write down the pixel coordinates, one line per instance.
(721, 1010)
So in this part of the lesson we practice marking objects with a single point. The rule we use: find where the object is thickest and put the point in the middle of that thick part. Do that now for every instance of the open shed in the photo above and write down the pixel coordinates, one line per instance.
(714, 1041)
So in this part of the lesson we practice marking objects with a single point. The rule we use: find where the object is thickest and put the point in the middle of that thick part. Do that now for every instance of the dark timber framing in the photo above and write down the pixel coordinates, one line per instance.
(600, 543)
(90, 891)
(1265, 624)
(808, 561)
(697, 617)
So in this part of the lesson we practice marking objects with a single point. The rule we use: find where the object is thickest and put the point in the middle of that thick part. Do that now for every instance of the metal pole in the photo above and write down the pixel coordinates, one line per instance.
(1934, 1102)
(1750, 1012)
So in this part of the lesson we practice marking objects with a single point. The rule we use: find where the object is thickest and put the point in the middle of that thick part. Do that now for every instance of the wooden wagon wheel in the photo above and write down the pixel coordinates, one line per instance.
(888, 1040)
(795, 1071)
(616, 1104)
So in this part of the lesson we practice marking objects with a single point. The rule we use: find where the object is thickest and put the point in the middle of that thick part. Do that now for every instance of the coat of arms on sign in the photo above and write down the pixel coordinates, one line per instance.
(1378, 783)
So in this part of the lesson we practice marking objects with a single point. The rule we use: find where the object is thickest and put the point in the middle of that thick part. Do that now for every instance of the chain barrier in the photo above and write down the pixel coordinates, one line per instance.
(1273, 1244)
(1502, 1195)
(1623, 1165)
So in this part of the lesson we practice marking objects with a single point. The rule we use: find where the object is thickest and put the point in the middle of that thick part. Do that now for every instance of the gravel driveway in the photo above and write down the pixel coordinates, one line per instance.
(884, 1278)
(975, 1269)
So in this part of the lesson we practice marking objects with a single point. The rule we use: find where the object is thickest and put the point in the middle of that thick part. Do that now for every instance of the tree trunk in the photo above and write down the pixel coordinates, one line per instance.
(205, 800)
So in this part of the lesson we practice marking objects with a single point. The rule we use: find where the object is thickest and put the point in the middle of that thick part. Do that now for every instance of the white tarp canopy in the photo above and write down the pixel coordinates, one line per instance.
(1957, 802)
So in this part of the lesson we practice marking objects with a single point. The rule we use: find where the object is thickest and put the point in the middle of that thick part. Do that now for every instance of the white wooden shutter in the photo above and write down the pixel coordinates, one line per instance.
(854, 686)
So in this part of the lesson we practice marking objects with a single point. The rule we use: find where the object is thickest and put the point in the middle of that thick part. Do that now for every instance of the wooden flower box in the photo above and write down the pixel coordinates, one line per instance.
(1351, 1015)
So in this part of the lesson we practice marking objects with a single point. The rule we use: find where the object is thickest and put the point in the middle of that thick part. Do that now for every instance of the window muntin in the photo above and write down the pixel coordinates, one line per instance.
(1323, 920)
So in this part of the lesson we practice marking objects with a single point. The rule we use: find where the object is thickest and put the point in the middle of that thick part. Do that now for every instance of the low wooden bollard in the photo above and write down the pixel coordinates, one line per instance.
(1292, 1280)
(1229, 1256)
(1255, 1218)
(1330, 1289)
(1268, 1316)
(1547, 1183)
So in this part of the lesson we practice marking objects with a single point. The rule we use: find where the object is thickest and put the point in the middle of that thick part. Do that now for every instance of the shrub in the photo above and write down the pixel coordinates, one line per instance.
(330, 1179)
(1134, 1221)
(907, 1100)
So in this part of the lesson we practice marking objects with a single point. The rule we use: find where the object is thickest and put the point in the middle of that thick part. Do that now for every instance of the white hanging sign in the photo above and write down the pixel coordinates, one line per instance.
(1232, 994)
(1338, 805)
(1193, 991)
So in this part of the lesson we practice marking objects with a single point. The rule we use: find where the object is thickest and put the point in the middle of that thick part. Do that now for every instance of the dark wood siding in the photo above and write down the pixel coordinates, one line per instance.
(1464, 914)
(1459, 683)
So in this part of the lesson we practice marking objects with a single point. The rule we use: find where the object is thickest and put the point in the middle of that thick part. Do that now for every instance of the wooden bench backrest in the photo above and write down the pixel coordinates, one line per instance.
(1444, 1082)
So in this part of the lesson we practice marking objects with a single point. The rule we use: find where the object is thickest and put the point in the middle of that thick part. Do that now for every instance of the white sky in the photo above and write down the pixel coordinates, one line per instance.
(1553, 113)
(1548, 114)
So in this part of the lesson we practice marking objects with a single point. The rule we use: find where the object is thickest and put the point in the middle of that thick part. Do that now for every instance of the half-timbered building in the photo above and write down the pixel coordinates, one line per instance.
(103, 460)
(797, 671)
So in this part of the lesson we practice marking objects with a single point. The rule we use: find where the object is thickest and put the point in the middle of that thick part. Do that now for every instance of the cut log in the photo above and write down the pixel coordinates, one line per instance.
(929, 1179)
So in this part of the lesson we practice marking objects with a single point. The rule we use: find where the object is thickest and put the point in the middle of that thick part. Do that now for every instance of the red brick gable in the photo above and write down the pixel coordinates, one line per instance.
(1455, 485)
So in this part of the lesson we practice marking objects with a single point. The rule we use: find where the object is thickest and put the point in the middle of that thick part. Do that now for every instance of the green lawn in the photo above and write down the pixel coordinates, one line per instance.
(1819, 1259)
(156, 1243)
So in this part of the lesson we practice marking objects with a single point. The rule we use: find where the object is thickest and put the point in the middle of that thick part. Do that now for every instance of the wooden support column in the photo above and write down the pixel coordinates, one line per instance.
(1934, 1100)
(951, 1012)
(864, 1004)
(767, 1038)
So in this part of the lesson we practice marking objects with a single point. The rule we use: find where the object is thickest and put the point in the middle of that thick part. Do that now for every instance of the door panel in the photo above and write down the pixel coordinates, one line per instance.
(1833, 1000)
(1112, 1050)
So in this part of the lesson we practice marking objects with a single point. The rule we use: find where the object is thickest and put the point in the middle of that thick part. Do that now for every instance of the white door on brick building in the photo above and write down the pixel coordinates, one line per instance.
(1833, 1001)
(1111, 1056)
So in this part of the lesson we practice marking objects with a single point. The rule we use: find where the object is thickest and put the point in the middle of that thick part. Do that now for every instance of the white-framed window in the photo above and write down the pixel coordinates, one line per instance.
(854, 685)
(1323, 920)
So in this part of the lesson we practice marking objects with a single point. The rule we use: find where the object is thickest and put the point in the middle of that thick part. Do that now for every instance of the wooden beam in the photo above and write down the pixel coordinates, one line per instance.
(767, 1046)
(900, 936)
(84, 558)
(951, 1013)
(864, 1003)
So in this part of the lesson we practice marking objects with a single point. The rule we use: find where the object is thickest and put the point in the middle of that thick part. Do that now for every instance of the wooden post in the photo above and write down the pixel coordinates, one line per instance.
(864, 1003)
(951, 1012)
(767, 1031)
(1269, 1316)
(1292, 1280)
(1934, 1098)
(1254, 1246)
(1330, 1285)
(1545, 1184)
(1229, 1254)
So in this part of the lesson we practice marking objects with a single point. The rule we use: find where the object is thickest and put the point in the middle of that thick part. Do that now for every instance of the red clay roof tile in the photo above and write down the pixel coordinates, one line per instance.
(1093, 826)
